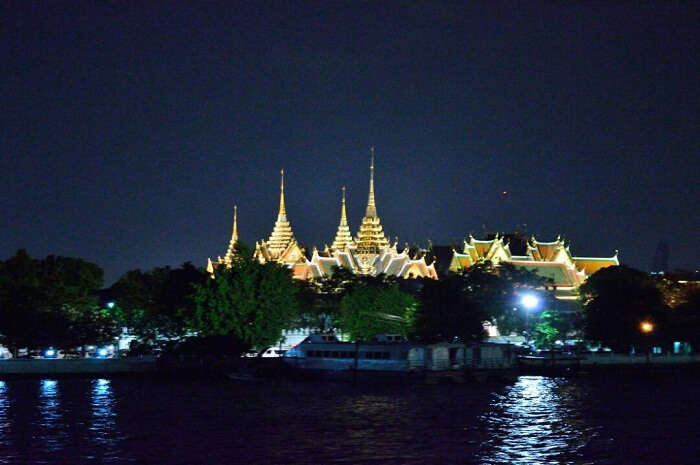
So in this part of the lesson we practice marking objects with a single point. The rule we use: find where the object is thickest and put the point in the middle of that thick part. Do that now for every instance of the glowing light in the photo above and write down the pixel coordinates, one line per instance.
(529, 301)
(110, 305)
(646, 327)
(50, 353)
(102, 352)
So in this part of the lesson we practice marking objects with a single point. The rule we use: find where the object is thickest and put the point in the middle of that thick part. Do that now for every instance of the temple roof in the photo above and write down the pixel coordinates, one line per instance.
(282, 235)
(592, 264)
(370, 239)
(343, 237)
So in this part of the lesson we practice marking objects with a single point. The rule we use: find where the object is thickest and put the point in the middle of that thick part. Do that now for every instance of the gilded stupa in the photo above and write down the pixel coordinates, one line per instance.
(232, 252)
(370, 239)
(281, 247)
(343, 237)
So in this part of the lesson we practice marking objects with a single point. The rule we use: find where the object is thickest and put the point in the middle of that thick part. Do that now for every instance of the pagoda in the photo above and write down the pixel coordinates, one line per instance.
(343, 238)
(370, 239)
(232, 251)
(282, 247)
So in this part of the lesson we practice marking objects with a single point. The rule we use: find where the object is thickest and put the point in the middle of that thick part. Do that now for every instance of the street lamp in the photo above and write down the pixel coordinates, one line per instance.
(647, 327)
(529, 302)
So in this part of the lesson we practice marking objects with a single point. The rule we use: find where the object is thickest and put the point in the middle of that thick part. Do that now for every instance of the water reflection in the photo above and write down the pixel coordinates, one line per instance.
(51, 435)
(102, 426)
(4, 417)
(535, 421)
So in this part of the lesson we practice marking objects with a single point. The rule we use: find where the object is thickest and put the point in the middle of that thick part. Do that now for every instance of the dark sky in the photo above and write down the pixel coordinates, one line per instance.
(130, 129)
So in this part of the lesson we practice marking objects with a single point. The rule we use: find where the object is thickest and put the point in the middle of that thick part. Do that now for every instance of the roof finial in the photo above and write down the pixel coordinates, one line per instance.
(343, 216)
(371, 206)
(234, 236)
(283, 212)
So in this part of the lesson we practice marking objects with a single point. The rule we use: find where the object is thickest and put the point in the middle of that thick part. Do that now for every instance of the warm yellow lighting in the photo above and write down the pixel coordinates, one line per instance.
(646, 327)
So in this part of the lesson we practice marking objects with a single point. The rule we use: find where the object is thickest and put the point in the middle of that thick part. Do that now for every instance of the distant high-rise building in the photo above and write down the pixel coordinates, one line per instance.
(660, 264)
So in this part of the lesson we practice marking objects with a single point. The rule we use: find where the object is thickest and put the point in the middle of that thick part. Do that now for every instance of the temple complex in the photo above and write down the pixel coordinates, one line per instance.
(371, 253)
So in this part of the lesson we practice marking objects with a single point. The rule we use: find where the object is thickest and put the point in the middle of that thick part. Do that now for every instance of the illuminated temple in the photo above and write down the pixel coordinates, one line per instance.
(551, 260)
(371, 253)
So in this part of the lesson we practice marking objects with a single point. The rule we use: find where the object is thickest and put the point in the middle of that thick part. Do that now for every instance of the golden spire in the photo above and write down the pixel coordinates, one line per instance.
(371, 206)
(232, 252)
(234, 235)
(343, 238)
(282, 215)
(370, 239)
(343, 216)
(282, 235)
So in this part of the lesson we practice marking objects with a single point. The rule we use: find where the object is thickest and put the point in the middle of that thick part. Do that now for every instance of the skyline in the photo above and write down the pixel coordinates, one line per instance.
(131, 130)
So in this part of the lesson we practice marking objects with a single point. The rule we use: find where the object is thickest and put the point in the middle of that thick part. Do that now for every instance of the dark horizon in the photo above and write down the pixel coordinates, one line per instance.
(131, 129)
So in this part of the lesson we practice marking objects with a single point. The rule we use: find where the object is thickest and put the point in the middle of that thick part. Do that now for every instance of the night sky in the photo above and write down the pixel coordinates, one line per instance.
(129, 131)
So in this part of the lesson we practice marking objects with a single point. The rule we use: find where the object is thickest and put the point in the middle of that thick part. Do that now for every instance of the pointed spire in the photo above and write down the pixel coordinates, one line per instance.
(282, 215)
(234, 235)
(232, 252)
(371, 206)
(343, 216)
(282, 237)
(343, 237)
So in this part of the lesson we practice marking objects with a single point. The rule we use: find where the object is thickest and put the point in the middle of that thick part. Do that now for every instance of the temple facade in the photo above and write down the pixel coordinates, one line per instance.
(551, 260)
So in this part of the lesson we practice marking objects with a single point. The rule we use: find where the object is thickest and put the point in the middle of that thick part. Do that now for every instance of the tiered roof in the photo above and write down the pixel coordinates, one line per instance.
(343, 237)
(282, 246)
(548, 259)
(370, 238)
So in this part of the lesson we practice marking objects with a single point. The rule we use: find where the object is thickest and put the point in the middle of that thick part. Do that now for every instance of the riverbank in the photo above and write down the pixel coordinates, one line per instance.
(83, 366)
(275, 368)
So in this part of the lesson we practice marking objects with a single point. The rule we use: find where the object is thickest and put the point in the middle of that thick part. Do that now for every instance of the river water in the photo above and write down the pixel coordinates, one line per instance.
(535, 420)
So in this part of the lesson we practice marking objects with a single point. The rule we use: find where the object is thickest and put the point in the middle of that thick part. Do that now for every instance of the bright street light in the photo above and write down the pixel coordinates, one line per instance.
(529, 301)
(646, 327)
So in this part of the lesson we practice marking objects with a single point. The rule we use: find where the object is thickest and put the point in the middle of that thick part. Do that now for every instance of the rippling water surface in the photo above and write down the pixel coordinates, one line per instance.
(535, 420)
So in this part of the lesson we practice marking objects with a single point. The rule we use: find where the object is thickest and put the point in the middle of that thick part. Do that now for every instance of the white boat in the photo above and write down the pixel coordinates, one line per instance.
(325, 353)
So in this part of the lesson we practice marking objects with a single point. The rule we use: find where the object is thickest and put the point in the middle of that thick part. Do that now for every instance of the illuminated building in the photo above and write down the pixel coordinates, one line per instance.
(551, 260)
(282, 247)
(370, 253)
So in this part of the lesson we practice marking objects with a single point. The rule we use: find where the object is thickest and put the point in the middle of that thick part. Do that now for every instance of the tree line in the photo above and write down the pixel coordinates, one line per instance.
(58, 301)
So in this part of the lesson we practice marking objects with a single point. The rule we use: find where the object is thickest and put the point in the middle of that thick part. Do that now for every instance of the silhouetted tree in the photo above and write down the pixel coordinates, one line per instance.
(616, 300)
(156, 304)
(52, 302)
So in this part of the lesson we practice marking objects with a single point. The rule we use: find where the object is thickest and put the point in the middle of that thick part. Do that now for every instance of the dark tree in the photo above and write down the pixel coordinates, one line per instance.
(449, 312)
(156, 304)
(52, 302)
(616, 301)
